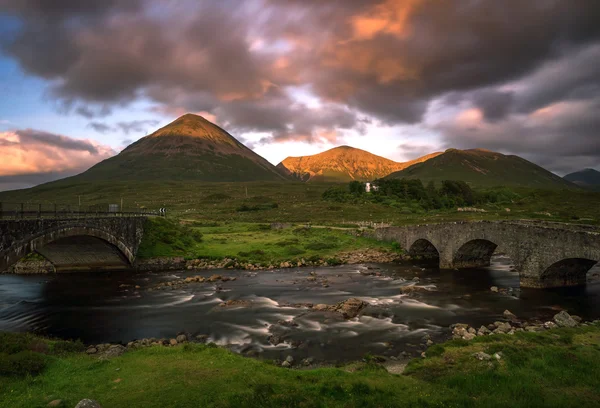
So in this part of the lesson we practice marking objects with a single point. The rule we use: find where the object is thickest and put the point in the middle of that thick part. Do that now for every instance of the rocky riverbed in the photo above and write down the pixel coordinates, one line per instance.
(325, 314)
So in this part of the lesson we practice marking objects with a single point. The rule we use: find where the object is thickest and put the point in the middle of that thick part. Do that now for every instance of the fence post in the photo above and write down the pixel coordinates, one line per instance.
(39, 210)
(55, 211)
(22, 210)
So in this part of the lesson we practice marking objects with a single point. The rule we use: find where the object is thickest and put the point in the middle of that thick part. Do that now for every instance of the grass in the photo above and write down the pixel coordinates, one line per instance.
(253, 242)
(298, 203)
(559, 368)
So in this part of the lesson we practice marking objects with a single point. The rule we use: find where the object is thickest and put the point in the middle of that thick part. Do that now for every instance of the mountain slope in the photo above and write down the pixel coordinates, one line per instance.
(190, 148)
(588, 178)
(342, 164)
(483, 168)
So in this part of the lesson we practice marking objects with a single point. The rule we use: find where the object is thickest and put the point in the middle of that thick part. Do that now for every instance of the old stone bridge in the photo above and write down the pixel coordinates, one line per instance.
(545, 254)
(105, 242)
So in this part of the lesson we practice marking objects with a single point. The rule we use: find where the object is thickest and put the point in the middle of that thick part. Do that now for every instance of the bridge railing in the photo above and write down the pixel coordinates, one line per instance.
(38, 210)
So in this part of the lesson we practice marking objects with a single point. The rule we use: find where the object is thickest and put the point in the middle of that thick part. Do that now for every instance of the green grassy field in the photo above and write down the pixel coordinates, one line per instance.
(299, 203)
(558, 368)
(251, 242)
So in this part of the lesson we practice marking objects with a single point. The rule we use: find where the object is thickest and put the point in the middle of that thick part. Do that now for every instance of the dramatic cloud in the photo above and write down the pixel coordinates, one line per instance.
(29, 157)
(307, 70)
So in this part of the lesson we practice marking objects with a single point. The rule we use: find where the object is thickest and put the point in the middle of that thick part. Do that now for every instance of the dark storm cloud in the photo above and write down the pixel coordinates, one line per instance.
(494, 104)
(561, 137)
(240, 60)
(100, 127)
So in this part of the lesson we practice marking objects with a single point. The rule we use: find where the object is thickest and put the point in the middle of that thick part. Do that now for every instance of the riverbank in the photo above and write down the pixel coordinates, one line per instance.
(359, 256)
(557, 367)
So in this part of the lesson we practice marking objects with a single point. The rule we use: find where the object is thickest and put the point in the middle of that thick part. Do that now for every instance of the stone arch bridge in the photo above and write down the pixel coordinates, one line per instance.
(545, 254)
(74, 244)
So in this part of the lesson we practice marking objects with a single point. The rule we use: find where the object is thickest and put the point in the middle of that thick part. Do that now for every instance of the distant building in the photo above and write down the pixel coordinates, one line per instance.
(370, 187)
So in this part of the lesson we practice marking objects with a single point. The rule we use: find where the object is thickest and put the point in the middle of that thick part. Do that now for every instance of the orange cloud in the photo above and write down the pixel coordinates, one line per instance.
(28, 151)
(389, 17)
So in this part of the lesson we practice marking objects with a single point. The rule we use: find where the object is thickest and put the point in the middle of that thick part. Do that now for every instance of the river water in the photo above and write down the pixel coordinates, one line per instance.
(107, 307)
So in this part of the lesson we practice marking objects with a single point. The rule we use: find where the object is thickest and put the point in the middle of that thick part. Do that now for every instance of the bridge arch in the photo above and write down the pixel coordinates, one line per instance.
(37, 242)
(474, 253)
(567, 272)
(425, 249)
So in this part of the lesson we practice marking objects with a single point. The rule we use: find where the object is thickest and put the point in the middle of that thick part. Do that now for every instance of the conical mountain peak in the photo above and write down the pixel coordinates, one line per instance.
(189, 148)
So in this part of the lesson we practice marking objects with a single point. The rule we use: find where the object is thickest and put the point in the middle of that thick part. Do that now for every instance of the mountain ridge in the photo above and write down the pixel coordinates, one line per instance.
(342, 163)
(586, 178)
(483, 168)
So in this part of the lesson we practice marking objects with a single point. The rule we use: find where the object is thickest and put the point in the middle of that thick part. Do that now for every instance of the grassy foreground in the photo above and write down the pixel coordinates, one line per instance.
(557, 368)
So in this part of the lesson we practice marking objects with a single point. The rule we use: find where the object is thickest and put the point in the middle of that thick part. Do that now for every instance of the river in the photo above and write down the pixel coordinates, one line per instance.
(107, 307)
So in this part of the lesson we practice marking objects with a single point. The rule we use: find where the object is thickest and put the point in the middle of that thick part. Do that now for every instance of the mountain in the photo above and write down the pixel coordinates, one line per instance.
(342, 164)
(588, 178)
(483, 168)
(190, 148)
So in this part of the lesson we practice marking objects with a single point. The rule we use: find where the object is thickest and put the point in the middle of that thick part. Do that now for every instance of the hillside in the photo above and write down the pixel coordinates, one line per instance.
(483, 168)
(588, 178)
(342, 164)
(190, 148)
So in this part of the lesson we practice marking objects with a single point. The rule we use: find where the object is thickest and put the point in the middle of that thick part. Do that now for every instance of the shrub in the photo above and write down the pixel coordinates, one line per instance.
(295, 251)
(320, 246)
(337, 194)
(22, 363)
(64, 347)
(287, 242)
(254, 252)
(334, 261)
(164, 236)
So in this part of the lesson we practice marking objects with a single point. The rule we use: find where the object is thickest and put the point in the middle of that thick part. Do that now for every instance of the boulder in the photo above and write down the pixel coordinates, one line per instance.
(308, 361)
(468, 336)
(563, 319)
(550, 325)
(88, 403)
(182, 338)
(286, 364)
(508, 315)
(91, 350)
(350, 308)
(114, 350)
(173, 342)
(275, 339)
(321, 307)
(502, 328)
(56, 403)
(494, 289)
(483, 331)
(481, 356)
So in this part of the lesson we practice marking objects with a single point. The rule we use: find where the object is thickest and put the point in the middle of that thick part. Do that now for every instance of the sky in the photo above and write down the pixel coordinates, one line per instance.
(80, 80)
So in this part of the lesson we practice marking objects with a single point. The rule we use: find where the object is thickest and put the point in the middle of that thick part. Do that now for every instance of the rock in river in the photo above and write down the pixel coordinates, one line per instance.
(350, 308)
